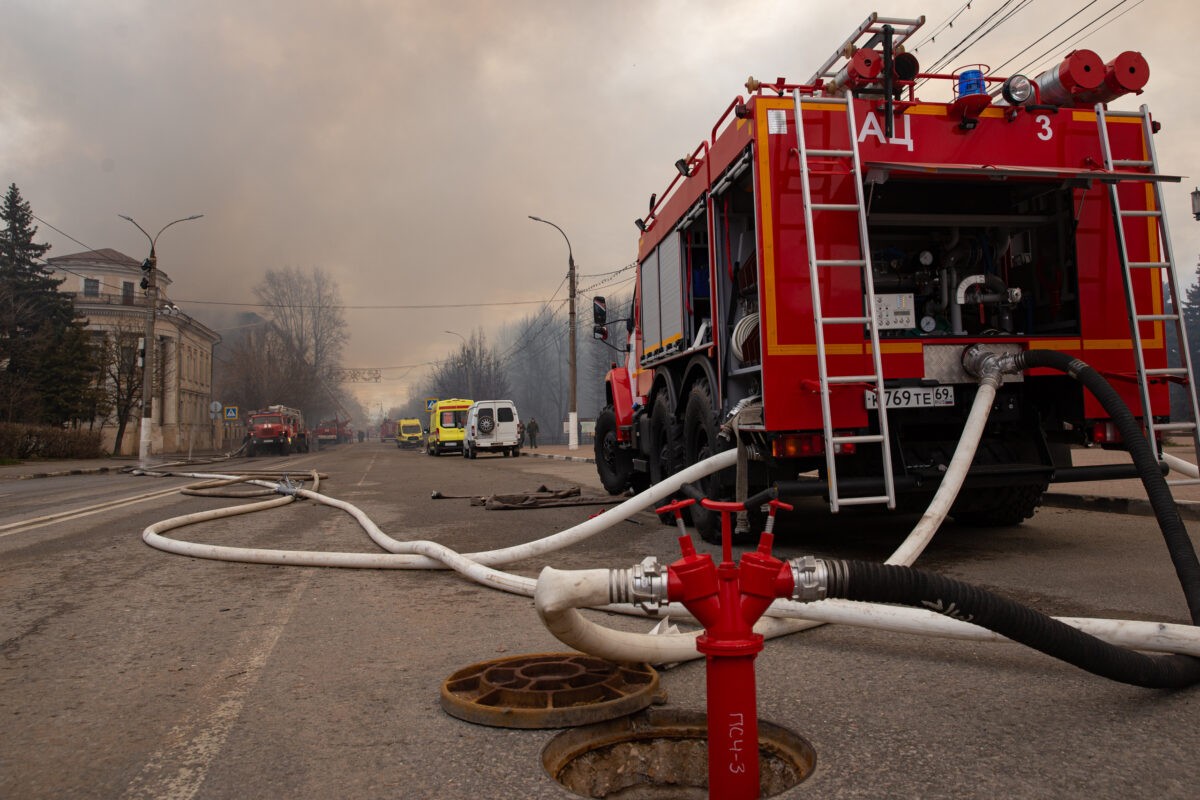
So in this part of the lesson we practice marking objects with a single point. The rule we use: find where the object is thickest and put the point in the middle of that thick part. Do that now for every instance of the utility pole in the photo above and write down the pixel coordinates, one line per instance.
(150, 284)
(466, 364)
(572, 410)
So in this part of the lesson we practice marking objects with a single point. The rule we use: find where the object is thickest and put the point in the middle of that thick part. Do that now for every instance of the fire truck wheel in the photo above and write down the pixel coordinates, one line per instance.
(614, 465)
(700, 442)
(666, 448)
(666, 445)
(997, 506)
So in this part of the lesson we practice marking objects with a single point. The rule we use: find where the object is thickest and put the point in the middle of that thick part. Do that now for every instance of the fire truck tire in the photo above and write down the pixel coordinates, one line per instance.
(614, 465)
(700, 442)
(998, 507)
(666, 442)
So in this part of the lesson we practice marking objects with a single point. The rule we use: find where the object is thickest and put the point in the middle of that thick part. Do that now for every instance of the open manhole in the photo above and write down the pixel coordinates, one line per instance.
(663, 753)
(548, 690)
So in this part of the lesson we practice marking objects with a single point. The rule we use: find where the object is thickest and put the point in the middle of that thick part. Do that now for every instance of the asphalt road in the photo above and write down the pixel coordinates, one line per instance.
(131, 673)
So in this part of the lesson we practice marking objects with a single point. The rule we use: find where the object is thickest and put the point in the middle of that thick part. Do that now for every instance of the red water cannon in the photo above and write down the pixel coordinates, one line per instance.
(1080, 72)
(727, 599)
(864, 70)
(1126, 74)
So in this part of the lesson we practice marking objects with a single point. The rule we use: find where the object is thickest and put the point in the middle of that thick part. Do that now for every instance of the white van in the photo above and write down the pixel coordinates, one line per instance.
(492, 425)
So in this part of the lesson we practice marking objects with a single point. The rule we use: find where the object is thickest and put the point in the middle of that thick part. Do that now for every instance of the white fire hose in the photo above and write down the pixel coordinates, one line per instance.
(559, 594)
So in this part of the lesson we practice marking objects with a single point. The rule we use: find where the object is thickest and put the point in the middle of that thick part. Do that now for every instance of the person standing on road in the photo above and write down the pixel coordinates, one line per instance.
(532, 430)
(520, 434)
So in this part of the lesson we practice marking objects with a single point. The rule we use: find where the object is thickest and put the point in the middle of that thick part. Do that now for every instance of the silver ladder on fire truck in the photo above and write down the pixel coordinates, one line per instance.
(874, 27)
(1166, 264)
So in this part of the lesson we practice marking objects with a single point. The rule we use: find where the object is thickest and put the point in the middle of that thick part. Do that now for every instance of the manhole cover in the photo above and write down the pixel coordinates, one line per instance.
(548, 690)
(660, 753)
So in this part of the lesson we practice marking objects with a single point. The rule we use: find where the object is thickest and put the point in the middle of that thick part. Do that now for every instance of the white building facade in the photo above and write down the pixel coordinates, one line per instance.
(106, 286)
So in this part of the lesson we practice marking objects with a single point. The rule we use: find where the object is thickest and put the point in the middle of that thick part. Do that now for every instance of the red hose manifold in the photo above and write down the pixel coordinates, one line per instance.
(727, 599)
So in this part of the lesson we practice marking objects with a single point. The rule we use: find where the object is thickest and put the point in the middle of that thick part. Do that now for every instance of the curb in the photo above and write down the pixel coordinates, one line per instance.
(1115, 505)
(62, 473)
(557, 457)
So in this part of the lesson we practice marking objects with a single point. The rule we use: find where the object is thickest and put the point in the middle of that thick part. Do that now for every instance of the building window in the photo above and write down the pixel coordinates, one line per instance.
(127, 292)
(91, 287)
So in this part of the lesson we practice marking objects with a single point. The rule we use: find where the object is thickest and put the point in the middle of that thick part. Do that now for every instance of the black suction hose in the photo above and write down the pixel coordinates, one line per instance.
(887, 583)
(1175, 534)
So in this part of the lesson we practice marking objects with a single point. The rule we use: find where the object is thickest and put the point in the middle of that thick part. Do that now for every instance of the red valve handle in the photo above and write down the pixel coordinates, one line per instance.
(779, 504)
(719, 505)
(676, 506)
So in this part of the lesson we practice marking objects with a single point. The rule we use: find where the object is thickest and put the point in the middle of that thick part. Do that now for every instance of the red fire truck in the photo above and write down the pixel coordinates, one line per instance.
(334, 431)
(810, 278)
(279, 427)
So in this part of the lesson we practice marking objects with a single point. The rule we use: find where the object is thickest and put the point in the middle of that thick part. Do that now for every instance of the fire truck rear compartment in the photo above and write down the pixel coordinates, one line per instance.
(979, 259)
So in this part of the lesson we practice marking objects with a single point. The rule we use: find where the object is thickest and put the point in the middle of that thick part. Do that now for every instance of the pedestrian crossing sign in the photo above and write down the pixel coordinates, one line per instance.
(231, 412)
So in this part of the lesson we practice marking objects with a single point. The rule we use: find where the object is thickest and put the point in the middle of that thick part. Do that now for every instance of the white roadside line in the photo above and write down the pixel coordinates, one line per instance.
(178, 768)
(62, 516)
(367, 471)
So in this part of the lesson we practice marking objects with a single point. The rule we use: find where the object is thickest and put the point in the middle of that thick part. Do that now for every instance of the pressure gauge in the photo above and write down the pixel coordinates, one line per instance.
(928, 324)
(926, 258)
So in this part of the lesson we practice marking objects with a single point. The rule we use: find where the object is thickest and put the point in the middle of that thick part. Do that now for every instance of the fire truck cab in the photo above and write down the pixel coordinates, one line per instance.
(809, 281)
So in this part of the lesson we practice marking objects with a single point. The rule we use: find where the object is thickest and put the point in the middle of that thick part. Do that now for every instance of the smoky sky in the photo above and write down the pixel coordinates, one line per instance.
(400, 146)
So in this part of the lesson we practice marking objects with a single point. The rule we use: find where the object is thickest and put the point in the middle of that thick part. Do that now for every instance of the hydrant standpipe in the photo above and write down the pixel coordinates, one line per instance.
(727, 599)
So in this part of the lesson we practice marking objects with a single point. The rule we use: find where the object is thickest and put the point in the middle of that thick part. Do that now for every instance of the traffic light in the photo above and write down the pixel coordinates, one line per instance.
(147, 266)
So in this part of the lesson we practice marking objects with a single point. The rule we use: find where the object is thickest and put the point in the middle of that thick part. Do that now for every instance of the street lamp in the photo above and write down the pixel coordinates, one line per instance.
(572, 411)
(466, 366)
(150, 284)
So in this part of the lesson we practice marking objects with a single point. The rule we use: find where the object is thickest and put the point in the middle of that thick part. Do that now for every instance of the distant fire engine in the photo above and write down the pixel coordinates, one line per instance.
(810, 278)
(277, 427)
(334, 431)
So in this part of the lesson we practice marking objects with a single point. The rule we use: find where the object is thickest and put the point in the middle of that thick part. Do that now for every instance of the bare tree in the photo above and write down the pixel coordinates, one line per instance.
(123, 374)
(306, 315)
(291, 357)
(475, 371)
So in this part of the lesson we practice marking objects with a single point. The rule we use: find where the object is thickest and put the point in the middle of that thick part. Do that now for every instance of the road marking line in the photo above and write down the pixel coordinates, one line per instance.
(63, 516)
(177, 770)
(370, 464)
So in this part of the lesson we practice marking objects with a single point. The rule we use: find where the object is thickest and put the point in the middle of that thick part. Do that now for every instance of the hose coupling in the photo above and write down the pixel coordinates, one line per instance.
(979, 362)
(645, 585)
(810, 578)
(287, 486)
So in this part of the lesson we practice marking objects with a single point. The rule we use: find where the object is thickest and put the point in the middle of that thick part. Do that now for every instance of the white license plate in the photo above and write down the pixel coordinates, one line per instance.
(914, 397)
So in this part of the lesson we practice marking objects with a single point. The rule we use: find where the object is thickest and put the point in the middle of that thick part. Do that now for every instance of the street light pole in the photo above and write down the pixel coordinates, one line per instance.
(148, 365)
(466, 366)
(572, 410)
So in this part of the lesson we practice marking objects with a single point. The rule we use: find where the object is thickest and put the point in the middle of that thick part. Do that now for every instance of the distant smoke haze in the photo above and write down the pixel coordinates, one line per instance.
(401, 145)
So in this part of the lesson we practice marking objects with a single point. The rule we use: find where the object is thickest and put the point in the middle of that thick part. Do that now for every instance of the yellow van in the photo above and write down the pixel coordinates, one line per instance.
(409, 433)
(447, 422)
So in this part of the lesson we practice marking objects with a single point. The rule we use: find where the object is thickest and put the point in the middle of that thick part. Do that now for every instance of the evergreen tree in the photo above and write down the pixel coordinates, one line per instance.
(47, 366)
